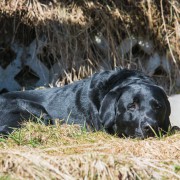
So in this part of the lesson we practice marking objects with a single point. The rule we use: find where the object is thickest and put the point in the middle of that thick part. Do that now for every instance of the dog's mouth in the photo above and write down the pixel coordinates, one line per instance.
(135, 136)
(129, 134)
(139, 134)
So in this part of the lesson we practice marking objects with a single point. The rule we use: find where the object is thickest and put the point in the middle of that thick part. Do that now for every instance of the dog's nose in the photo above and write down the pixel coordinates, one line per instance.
(149, 128)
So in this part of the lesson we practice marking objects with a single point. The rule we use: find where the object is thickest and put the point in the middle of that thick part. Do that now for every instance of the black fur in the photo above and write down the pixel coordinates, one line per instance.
(123, 102)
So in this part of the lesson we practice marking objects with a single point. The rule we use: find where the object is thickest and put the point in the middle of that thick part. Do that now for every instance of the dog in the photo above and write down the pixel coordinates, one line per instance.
(122, 102)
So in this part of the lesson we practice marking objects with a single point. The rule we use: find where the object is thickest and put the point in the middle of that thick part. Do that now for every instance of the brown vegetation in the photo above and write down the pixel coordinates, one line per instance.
(69, 32)
(68, 152)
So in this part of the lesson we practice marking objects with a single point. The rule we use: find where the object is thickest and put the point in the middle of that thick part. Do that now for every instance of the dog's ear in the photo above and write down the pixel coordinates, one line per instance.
(103, 94)
(166, 120)
(96, 93)
(107, 110)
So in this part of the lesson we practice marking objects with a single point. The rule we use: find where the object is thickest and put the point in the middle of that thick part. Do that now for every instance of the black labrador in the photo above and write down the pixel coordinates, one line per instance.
(122, 102)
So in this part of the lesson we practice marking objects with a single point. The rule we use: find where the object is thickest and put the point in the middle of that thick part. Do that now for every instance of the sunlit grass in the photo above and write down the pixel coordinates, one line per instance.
(37, 150)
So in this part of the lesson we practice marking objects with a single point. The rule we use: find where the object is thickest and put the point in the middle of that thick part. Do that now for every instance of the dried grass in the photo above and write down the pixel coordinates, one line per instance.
(66, 31)
(67, 152)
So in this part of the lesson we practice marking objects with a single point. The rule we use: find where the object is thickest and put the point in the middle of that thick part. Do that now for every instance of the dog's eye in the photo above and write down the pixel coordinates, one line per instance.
(156, 105)
(134, 105)
(131, 106)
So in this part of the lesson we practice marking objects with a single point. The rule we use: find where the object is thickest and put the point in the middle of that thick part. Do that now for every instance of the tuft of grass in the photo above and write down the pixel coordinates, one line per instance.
(5, 177)
(177, 168)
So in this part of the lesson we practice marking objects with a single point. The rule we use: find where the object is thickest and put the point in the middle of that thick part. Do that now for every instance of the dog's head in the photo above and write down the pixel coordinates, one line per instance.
(136, 110)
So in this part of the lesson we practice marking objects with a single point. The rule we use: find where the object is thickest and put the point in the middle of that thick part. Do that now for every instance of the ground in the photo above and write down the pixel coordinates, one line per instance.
(70, 152)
